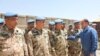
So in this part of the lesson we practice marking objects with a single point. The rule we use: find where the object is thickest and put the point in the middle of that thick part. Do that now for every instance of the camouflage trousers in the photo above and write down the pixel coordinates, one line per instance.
(74, 51)
(52, 52)
(11, 54)
(61, 52)
(39, 50)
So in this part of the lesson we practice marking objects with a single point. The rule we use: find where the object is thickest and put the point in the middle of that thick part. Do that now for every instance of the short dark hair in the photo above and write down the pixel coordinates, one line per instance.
(70, 25)
(86, 20)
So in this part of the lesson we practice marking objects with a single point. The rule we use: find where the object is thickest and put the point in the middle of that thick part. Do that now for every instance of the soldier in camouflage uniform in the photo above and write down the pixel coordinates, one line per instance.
(12, 42)
(70, 30)
(28, 39)
(40, 39)
(74, 45)
(64, 28)
(52, 39)
(94, 25)
(60, 43)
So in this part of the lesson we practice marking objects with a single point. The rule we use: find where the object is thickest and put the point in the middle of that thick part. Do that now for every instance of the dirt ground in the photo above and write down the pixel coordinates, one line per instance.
(98, 51)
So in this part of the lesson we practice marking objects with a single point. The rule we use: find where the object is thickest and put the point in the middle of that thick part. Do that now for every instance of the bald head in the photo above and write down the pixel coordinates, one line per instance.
(84, 23)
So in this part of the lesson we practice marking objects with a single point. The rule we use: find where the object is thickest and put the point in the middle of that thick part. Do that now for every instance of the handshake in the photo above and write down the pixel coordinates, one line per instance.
(71, 38)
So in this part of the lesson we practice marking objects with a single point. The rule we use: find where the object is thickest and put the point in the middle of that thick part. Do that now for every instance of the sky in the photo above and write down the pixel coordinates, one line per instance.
(70, 9)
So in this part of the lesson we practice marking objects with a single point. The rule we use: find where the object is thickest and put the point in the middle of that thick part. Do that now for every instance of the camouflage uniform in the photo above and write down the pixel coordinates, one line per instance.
(74, 46)
(52, 42)
(60, 45)
(28, 41)
(40, 42)
(12, 42)
(65, 33)
(70, 32)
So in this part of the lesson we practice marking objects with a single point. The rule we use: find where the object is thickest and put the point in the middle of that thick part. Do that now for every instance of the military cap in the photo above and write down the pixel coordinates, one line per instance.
(76, 22)
(8, 14)
(51, 23)
(1, 20)
(30, 21)
(63, 22)
(40, 18)
(58, 21)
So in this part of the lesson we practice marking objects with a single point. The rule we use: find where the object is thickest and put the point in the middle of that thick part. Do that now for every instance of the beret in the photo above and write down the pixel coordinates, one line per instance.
(1, 20)
(8, 14)
(40, 18)
(76, 22)
(30, 21)
(58, 21)
(51, 23)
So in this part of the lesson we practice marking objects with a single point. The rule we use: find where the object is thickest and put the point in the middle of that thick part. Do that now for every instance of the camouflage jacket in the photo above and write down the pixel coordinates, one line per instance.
(28, 41)
(40, 41)
(76, 43)
(70, 32)
(12, 42)
(52, 38)
(60, 46)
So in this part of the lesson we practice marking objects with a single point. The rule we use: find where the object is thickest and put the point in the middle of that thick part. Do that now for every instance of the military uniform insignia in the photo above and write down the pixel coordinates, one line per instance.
(17, 32)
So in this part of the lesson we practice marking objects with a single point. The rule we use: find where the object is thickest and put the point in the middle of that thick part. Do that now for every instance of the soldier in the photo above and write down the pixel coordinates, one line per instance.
(52, 37)
(1, 22)
(28, 39)
(63, 25)
(70, 30)
(52, 25)
(64, 28)
(30, 25)
(40, 39)
(12, 41)
(60, 43)
(74, 45)
(94, 25)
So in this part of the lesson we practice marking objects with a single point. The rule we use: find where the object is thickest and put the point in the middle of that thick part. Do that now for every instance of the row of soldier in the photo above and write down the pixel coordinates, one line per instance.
(35, 40)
